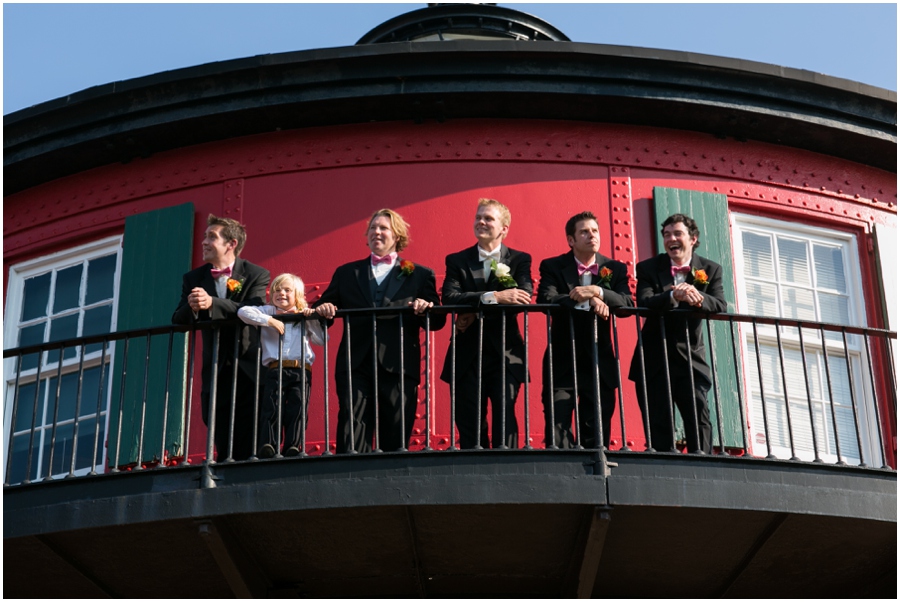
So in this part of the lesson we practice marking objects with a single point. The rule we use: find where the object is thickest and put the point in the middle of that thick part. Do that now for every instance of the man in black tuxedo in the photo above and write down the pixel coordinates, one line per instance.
(489, 273)
(584, 284)
(215, 291)
(676, 279)
(384, 279)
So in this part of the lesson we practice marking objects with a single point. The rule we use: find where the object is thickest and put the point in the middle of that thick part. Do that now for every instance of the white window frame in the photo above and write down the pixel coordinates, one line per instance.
(14, 298)
(872, 454)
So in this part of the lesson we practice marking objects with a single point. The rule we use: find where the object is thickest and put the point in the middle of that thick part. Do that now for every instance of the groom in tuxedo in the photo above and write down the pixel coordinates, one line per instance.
(676, 279)
(383, 279)
(488, 273)
(584, 284)
(215, 291)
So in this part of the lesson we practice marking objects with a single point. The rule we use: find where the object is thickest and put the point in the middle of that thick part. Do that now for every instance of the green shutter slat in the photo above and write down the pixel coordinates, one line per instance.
(156, 252)
(710, 211)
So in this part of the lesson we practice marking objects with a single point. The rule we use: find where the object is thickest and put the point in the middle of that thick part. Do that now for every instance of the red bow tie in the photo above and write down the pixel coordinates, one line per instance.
(216, 274)
(376, 260)
(593, 269)
(684, 269)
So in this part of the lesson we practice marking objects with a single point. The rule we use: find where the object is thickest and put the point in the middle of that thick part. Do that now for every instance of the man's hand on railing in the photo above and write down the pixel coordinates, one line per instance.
(599, 307)
(327, 310)
(199, 299)
(687, 293)
(419, 306)
(583, 293)
(512, 296)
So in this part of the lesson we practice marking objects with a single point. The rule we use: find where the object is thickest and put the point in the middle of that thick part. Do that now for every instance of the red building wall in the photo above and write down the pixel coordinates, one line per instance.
(305, 196)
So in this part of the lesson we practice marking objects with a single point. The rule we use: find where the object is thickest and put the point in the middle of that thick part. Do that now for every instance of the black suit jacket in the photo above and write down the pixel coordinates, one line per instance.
(350, 289)
(559, 275)
(254, 281)
(654, 283)
(464, 284)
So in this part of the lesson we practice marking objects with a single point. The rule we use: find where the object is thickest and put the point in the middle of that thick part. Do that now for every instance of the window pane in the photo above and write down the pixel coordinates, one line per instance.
(62, 452)
(758, 262)
(829, 268)
(20, 459)
(61, 329)
(25, 405)
(36, 297)
(762, 299)
(90, 392)
(68, 289)
(101, 272)
(96, 321)
(835, 309)
(799, 303)
(84, 454)
(67, 394)
(31, 335)
(792, 262)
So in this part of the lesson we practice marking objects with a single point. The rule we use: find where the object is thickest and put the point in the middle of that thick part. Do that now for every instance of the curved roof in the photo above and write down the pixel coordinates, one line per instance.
(415, 81)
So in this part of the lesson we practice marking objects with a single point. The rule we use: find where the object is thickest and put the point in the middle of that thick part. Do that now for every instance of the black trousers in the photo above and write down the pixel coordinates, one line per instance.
(356, 424)
(658, 412)
(504, 427)
(558, 428)
(294, 408)
(244, 398)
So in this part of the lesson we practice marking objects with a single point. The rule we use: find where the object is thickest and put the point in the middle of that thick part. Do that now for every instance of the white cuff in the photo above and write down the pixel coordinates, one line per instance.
(489, 298)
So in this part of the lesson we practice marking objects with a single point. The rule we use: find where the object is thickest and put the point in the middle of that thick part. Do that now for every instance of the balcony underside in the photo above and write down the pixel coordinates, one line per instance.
(540, 524)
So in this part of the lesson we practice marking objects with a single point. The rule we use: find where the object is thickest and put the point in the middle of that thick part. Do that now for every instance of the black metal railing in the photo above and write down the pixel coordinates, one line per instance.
(779, 388)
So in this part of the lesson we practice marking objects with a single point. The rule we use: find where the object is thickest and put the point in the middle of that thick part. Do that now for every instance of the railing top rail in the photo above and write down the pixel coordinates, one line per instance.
(535, 307)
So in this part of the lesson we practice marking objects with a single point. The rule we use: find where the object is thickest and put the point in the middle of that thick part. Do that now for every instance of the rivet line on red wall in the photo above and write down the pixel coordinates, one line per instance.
(699, 155)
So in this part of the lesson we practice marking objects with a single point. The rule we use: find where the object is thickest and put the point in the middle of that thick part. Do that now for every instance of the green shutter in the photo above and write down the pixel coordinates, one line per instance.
(156, 252)
(710, 211)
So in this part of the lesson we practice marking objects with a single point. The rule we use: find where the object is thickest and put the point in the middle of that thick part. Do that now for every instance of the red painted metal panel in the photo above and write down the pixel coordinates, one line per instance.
(305, 195)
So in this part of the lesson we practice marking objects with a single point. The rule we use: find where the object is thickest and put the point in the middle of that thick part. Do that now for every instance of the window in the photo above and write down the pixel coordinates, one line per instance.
(64, 296)
(803, 273)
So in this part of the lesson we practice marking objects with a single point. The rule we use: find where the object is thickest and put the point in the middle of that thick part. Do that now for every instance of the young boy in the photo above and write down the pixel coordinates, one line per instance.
(287, 297)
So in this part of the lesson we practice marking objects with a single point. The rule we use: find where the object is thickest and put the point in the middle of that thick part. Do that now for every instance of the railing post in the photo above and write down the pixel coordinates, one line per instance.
(837, 443)
(12, 422)
(853, 405)
(875, 407)
(715, 390)
(59, 365)
(787, 401)
(527, 404)
(428, 381)
(762, 393)
(93, 470)
(812, 417)
(140, 451)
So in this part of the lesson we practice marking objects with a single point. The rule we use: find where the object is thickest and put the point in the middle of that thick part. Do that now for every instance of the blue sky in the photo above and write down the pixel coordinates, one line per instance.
(52, 50)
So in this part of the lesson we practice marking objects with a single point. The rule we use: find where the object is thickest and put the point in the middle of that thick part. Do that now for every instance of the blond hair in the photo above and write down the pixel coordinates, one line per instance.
(398, 225)
(505, 216)
(299, 291)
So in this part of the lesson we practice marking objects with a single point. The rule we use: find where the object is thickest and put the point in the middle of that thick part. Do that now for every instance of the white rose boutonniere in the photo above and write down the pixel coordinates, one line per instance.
(501, 271)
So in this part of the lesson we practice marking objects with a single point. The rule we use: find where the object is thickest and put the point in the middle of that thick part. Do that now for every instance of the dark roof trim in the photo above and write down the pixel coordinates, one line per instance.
(465, 79)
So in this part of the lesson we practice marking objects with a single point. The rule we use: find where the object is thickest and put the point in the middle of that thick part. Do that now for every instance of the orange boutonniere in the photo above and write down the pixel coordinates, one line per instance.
(406, 268)
(606, 275)
(700, 277)
(234, 286)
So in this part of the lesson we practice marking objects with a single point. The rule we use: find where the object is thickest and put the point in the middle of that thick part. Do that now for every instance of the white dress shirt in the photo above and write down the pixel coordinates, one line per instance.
(292, 335)
(487, 258)
(381, 270)
(586, 281)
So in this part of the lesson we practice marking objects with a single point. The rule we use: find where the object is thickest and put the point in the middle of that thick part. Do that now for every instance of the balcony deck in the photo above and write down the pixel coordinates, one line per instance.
(541, 523)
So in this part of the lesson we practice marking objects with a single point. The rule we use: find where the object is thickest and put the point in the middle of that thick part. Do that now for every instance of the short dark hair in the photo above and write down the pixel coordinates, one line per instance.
(578, 217)
(688, 222)
(231, 230)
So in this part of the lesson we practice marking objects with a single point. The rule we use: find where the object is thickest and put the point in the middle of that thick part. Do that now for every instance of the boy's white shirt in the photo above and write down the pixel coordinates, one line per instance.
(292, 334)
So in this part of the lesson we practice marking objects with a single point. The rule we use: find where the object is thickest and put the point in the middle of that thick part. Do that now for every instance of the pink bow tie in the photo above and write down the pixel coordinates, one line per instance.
(684, 269)
(216, 274)
(593, 269)
(376, 260)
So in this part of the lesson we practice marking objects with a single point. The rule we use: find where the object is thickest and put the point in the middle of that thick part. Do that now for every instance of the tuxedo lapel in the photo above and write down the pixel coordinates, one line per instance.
(570, 271)
(664, 272)
(395, 281)
(476, 269)
(363, 273)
